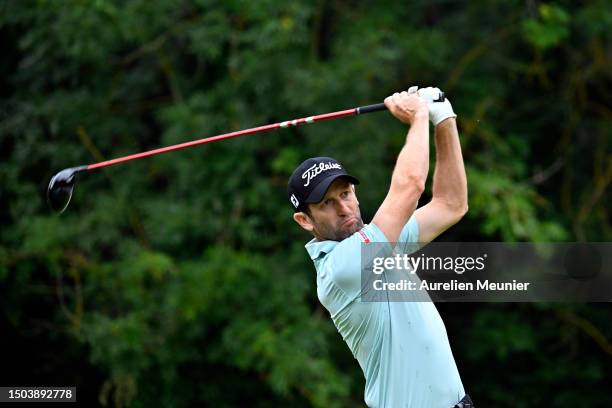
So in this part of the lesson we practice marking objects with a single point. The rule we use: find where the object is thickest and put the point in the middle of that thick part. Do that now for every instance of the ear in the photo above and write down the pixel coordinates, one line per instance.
(304, 220)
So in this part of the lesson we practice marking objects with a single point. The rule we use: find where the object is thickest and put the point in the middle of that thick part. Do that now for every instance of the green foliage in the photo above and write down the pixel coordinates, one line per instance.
(549, 29)
(181, 280)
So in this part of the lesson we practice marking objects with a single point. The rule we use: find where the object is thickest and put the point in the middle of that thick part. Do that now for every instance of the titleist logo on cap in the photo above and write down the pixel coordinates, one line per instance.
(294, 201)
(317, 169)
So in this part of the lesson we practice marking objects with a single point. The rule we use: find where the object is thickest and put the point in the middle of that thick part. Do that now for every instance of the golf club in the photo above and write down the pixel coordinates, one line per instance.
(61, 186)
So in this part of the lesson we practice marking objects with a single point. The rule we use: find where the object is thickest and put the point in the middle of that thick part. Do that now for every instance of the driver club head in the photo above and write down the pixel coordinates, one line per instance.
(59, 191)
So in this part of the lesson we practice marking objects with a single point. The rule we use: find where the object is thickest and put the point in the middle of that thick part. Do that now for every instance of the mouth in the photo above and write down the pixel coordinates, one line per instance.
(348, 222)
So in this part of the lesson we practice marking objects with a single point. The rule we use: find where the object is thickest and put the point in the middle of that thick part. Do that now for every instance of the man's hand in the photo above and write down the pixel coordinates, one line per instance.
(407, 106)
(438, 111)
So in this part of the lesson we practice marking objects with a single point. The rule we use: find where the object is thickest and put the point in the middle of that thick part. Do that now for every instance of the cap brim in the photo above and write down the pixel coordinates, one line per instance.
(319, 191)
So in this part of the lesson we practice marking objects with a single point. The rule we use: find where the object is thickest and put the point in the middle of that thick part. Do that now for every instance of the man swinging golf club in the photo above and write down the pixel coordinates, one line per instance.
(402, 347)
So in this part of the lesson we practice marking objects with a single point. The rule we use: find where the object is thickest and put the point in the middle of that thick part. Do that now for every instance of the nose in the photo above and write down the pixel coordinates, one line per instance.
(343, 209)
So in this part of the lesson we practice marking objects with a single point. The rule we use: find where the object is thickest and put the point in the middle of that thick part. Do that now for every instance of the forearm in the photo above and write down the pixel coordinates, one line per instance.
(411, 168)
(449, 181)
(413, 161)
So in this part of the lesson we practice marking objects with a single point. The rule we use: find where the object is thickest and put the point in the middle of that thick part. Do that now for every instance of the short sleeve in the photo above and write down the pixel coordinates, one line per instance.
(409, 237)
(344, 263)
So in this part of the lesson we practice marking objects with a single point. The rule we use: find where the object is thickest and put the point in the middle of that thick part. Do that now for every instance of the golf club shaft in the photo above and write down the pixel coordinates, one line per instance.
(260, 129)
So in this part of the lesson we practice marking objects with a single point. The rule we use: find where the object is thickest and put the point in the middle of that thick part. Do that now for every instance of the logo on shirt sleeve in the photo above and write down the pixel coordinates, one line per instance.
(364, 238)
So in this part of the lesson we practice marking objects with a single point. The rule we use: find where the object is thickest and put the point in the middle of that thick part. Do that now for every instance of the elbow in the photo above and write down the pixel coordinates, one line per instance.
(464, 210)
(455, 214)
(414, 184)
(460, 210)
(456, 210)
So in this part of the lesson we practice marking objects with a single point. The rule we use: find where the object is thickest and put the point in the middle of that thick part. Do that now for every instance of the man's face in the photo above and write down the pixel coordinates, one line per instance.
(336, 216)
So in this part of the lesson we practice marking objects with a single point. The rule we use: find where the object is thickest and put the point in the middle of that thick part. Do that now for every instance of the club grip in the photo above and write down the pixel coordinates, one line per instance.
(381, 106)
(371, 108)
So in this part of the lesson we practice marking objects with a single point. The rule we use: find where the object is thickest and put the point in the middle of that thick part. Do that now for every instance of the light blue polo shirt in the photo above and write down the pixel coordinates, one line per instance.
(402, 347)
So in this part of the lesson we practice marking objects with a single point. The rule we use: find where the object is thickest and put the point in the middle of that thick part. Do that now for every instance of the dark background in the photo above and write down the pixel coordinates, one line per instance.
(181, 280)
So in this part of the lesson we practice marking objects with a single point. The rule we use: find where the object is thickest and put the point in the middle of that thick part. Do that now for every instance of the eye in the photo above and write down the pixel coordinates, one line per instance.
(344, 194)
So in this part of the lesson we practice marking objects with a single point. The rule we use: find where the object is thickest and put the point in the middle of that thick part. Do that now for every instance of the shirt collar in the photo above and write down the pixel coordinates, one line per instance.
(316, 248)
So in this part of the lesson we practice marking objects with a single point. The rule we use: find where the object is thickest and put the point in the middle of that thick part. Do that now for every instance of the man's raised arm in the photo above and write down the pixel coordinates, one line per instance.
(449, 201)
(411, 168)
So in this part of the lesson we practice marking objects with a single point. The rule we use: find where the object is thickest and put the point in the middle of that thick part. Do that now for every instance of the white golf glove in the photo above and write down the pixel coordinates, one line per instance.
(438, 111)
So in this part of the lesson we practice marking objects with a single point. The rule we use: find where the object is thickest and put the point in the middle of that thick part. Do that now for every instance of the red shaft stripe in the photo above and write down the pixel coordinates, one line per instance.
(244, 132)
(334, 115)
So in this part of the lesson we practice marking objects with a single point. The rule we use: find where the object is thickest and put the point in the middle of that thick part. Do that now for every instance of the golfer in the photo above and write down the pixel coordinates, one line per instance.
(402, 347)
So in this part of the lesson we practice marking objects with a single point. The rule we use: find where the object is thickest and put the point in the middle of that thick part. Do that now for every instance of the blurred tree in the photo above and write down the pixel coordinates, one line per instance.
(182, 280)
